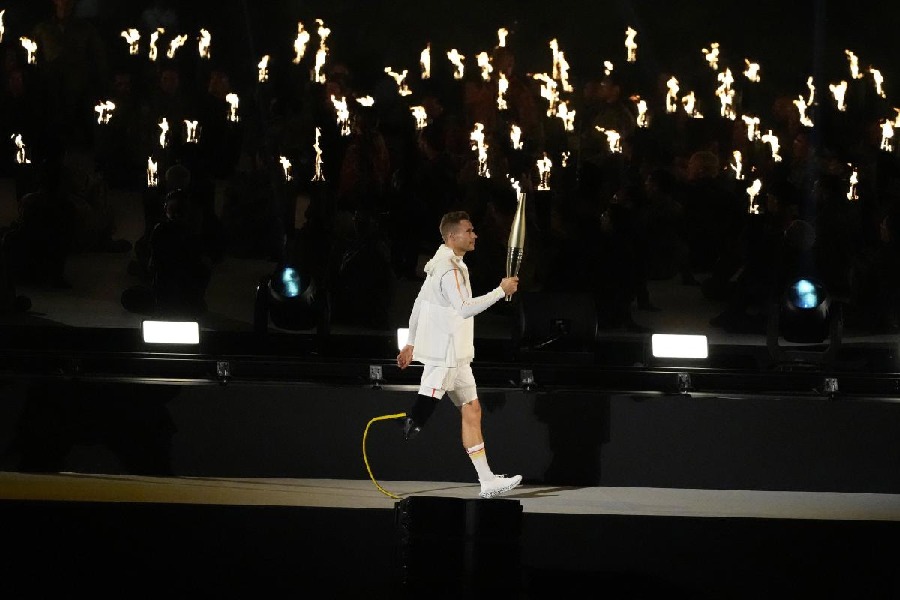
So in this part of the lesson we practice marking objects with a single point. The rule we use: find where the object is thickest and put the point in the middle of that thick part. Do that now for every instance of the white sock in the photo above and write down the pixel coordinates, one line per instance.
(479, 459)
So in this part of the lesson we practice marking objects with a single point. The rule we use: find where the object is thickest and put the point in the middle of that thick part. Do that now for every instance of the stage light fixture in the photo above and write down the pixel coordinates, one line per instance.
(170, 332)
(291, 300)
(670, 345)
(806, 314)
(402, 337)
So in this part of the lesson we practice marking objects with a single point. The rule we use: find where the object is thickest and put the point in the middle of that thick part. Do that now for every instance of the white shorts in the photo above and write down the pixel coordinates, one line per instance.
(458, 382)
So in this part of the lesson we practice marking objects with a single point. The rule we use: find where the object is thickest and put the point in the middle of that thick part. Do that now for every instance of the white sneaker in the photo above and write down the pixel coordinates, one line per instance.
(500, 484)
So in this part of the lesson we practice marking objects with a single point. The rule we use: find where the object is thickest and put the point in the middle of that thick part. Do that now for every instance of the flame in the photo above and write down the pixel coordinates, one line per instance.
(887, 132)
(400, 78)
(286, 167)
(164, 130)
(630, 45)
(839, 90)
(672, 95)
(854, 65)
(420, 115)
(502, 86)
(752, 124)
(133, 37)
(879, 81)
(263, 69)
(191, 131)
(104, 111)
(343, 113)
(317, 176)
(2, 27)
(425, 61)
(203, 43)
(548, 91)
(560, 66)
(564, 159)
(751, 71)
(613, 138)
(689, 101)
(854, 181)
(801, 105)
(607, 67)
(322, 52)
(154, 37)
(152, 175)
(365, 101)
(543, 165)
(726, 94)
(515, 136)
(772, 140)
(300, 43)
(736, 165)
(484, 62)
(30, 47)
(457, 59)
(21, 154)
(501, 36)
(567, 116)
(477, 137)
(233, 101)
(812, 91)
(712, 55)
(643, 120)
(175, 44)
(752, 192)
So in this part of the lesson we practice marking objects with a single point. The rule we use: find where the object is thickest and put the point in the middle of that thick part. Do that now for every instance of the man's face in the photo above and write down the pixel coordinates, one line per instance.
(462, 240)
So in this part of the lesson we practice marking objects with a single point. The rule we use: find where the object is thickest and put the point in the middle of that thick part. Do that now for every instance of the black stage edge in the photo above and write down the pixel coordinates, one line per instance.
(453, 549)
(793, 442)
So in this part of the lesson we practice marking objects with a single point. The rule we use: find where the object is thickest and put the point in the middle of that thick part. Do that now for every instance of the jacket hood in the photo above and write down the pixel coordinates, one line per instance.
(443, 254)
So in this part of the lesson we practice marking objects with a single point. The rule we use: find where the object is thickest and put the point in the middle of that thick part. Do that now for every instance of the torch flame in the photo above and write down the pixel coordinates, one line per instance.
(854, 181)
(643, 120)
(736, 165)
(801, 105)
(752, 192)
(365, 101)
(343, 114)
(400, 78)
(2, 27)
(175, 44)
(564, 159)
(613, 138)
(839, 90)
(689, 101)
(152, 175)
(878, 78)
(672, 95)
(233, 101)
(164, 130)
(548, 91)
(104, 111)
(502, 86)
(322, 52)
(887, 132)
(21, 155)
(515, 136)
(154, 37)
(477, 137)
(425, 61)
(286, 167)
(132, 36)
(726, 94)
(501, 36)
(263, 69)
(484, 62)
(630, 45)
(752, 70)
(420, 115)
(191, 131)
(317, 176)
(30, 47)
(854, 65)
(457, 59)
(752, 124)
(543, 165)
(300, 43)
(203, 43)
(560, 66)
(772, 140)
(566, 116)
(712, 55)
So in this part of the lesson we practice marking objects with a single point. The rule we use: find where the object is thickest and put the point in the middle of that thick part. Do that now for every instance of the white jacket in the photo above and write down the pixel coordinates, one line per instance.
(441, 325)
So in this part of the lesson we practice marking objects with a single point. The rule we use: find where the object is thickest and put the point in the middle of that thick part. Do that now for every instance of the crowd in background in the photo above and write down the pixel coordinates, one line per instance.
(666, 202)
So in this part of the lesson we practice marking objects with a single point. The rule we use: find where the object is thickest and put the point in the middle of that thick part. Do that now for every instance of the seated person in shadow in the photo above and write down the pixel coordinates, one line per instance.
(179, 267)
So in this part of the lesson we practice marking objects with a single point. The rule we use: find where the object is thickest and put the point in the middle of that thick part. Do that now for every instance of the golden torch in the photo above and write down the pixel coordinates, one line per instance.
(515, 248)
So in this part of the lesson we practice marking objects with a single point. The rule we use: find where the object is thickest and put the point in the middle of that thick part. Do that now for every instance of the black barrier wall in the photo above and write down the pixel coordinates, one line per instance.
(580, 438)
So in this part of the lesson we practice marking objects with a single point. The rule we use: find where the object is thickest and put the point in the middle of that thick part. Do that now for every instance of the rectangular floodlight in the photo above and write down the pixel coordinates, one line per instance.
(402, 336)
(667, 345)
(171, 332)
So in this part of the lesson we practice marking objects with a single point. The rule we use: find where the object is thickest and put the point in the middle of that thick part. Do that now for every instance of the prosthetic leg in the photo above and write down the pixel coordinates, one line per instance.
(419, 414)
